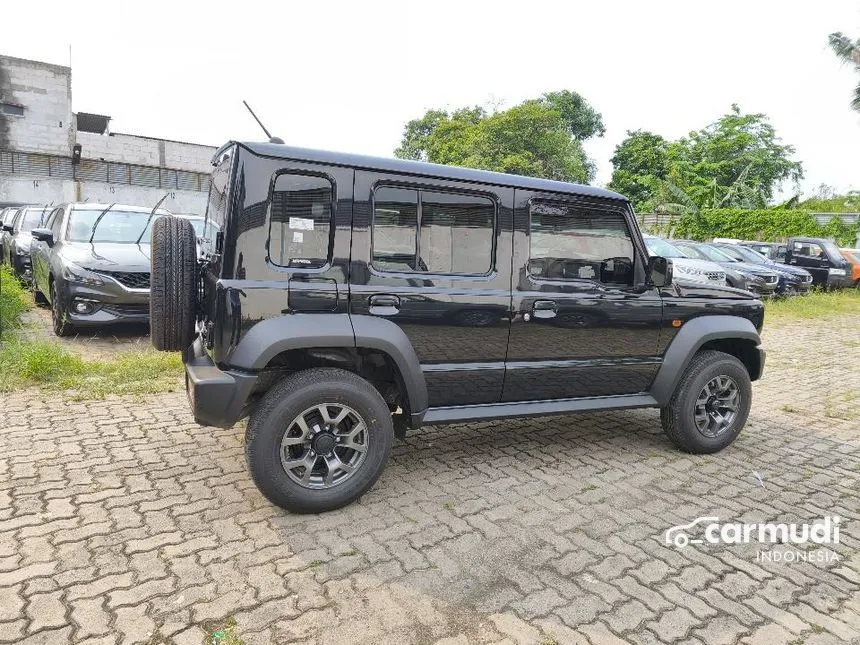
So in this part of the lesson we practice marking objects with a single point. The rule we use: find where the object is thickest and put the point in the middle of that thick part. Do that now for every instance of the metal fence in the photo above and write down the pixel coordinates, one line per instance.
(42, 166)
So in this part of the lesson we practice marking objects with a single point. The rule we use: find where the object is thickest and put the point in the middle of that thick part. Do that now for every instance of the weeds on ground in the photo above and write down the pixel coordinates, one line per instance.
(224, 634)
(47, 364)
(818, 304)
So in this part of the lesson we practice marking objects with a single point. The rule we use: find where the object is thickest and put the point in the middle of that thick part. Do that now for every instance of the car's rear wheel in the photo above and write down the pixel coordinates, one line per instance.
(710, 405)
(173, 284)
(318, 440)
(60, 313)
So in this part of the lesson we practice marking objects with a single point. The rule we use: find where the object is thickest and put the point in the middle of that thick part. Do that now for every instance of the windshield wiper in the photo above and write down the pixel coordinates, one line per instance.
(151, 215)
(99, 219)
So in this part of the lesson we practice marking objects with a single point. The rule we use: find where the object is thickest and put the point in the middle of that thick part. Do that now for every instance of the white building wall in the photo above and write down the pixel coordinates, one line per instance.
(45, 92)
(128, 148)
(14, 189)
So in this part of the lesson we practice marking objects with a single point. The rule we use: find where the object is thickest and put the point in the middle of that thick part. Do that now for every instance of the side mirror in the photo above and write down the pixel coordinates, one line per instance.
(7, 228)
(43, 235)
(659, 272)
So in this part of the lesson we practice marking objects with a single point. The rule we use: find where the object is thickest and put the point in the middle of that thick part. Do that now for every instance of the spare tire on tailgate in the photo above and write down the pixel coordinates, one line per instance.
(173, 284)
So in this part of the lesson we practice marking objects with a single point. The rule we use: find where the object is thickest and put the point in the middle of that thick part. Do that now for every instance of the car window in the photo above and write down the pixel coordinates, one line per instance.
(432, 231)
(575, 242)
(808, 249)
(732, 252)
(660, 247)
(300, 223)
(29, 219)
(57, 224)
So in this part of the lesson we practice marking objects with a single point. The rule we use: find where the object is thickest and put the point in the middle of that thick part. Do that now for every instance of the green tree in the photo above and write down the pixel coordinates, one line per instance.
(640, 164)
(539, 137)
(736, 162)
(848, 51)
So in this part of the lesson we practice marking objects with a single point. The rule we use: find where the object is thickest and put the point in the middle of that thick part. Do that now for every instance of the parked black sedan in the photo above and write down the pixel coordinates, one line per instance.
(792, 280)
(91, 263)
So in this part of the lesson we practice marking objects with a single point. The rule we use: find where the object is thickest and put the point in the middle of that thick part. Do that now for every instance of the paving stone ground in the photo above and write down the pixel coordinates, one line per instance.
(121, 521)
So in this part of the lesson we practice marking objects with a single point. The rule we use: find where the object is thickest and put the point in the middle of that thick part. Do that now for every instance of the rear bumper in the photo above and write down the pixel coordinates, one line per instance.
(217, 397)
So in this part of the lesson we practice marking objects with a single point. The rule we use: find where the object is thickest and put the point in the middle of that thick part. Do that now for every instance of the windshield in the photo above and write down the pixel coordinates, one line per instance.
(662, 248)
(30, 219)
(748, 255)
(204, 231)
(116, 226)
(831, 248)
(705, 252)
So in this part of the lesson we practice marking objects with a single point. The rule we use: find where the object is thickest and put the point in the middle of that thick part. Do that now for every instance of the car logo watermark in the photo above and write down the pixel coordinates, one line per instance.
(709, 530)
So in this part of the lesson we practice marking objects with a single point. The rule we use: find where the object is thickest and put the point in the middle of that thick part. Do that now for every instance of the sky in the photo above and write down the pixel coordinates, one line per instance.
(348, 75)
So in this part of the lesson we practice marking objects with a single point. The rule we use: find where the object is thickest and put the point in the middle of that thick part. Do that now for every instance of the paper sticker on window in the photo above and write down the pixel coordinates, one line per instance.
(302, 223)
(298, 237)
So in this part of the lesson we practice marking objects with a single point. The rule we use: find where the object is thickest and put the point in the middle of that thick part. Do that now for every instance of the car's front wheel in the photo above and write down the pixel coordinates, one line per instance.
(59, 313)
(318, 440)
(710, 405)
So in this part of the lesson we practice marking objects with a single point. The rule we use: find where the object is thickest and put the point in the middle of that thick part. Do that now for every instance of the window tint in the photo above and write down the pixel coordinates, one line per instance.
(432, 231)
(395, 229)
(300, 227)
(570, 242)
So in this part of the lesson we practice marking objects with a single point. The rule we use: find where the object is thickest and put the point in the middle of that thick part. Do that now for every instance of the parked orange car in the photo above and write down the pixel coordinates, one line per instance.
(853, 256)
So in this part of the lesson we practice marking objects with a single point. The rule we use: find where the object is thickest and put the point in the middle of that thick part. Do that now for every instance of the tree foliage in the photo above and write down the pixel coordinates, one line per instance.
(848, 51)
(539, 137)
(737, 161)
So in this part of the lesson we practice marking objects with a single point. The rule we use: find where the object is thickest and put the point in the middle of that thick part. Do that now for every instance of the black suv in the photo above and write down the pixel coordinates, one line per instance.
(348, 299)
(91, 263)
(822, 258)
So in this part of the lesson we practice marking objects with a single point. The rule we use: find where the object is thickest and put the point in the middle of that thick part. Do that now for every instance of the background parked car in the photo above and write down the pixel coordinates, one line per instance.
(91, 263)
(853, 257)
(741, 275)
(792, 280)
(17, 244)
(686, 268)
(6, 217)
(822, 259)
(205, 232)
(770, 250)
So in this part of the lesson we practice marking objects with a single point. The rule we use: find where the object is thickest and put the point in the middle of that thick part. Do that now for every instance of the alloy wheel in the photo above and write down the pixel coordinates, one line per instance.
(717, 406)
(324, 446)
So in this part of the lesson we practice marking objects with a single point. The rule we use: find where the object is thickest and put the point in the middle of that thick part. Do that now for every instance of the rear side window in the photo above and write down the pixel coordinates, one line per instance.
(430, 231)
(574, 242)
(300, 226)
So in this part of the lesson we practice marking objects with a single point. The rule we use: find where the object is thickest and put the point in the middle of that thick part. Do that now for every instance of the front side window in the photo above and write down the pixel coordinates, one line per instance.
(574, 242)
(808, 249)
(301, 221)
(29, 219)
(430, 231)
(57, 224)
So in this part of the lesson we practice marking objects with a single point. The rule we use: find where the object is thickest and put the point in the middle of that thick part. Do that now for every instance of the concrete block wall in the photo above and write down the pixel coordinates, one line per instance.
(146, 151)
(15, 189)
(45, 92)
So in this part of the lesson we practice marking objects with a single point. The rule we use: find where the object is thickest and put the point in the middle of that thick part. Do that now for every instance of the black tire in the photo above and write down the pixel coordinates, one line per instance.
(678, 417)
(173, 284)
(288, 399)
(38, 296)
(60, 314)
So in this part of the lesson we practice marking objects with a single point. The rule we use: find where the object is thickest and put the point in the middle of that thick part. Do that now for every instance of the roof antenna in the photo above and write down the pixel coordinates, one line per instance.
(271, 138)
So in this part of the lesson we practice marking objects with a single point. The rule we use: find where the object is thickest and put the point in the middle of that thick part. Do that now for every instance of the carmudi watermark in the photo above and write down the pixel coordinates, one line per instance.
(798, 541)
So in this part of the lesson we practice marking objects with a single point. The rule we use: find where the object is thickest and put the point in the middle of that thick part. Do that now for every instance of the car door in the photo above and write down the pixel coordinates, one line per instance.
(583, 324)
(433, 257)
(810, 256)
(40, 252)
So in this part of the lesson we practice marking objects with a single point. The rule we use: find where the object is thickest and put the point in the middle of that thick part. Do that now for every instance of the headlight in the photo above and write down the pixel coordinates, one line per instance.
(79, 275)
(836, 271)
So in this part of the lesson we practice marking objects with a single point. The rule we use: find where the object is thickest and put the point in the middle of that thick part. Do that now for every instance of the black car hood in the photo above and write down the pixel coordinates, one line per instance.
(108, 256)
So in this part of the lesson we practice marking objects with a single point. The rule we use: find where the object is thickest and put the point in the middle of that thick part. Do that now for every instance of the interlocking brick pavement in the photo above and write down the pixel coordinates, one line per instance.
(123, 521)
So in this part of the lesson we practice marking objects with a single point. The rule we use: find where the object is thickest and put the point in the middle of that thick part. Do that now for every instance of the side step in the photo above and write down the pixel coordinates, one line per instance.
(457, 414)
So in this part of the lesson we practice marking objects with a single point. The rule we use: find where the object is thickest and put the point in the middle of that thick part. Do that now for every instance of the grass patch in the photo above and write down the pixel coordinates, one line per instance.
(818, 304)
(224, 634)
(14, 301)
(47, 364)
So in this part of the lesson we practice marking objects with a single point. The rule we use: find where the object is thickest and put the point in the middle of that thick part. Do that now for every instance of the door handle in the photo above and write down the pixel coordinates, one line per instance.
(384, 305)
(545, 308)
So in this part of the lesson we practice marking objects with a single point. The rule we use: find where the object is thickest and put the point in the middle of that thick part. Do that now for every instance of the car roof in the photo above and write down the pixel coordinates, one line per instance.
(421, 168)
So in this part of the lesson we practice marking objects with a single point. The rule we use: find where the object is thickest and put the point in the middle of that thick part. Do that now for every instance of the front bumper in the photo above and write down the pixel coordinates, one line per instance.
(111, 303)
(218, 398)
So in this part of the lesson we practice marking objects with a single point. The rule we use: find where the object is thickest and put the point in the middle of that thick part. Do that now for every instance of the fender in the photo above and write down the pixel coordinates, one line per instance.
(268, 338)
(372, 332)
(688, 340)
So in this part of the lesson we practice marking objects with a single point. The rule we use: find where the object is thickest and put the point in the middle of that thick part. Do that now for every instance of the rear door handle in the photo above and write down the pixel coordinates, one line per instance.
(545, 308)
(384, 305)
